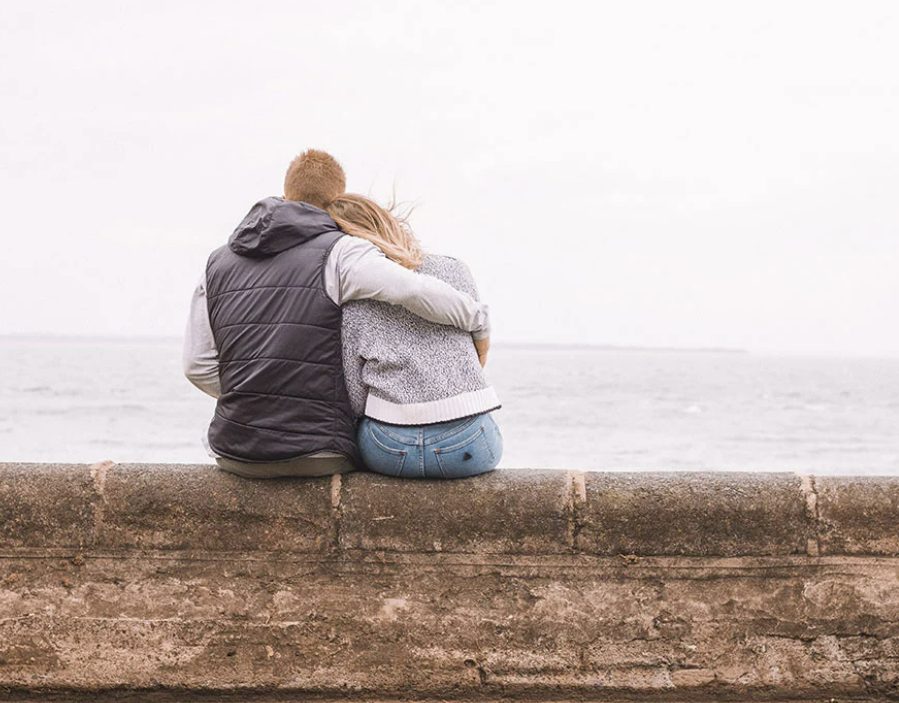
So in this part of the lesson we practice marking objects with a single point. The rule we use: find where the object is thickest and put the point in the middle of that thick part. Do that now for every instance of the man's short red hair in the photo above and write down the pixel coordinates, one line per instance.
(314, 177)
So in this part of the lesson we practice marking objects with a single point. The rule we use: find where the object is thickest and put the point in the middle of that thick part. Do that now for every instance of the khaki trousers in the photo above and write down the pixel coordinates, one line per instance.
(307, 466)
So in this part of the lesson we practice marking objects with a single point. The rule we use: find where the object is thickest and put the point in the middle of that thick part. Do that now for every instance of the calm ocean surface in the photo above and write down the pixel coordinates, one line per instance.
(77, 401)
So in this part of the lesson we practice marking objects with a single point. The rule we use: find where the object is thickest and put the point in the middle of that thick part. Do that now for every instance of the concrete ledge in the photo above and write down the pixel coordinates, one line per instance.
(858, 515)
(186, 583)
(507, 512)
(727, 514)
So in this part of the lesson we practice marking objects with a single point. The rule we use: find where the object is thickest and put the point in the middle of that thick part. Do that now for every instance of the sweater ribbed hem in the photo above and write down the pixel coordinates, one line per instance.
(444, 410)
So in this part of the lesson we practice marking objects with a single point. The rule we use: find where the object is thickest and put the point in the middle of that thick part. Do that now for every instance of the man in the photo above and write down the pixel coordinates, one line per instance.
(263, 336)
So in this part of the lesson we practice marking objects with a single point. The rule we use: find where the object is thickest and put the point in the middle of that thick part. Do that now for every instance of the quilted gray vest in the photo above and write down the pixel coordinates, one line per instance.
(278, 338)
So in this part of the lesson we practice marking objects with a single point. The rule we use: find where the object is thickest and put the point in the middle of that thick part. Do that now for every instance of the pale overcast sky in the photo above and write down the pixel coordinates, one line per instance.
(648, 173)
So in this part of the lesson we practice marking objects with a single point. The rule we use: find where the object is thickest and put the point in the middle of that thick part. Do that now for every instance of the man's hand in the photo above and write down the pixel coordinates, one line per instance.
(482, 346)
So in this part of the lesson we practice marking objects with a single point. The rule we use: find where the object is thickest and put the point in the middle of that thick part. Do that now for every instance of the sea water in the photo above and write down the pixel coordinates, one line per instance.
(583, 408)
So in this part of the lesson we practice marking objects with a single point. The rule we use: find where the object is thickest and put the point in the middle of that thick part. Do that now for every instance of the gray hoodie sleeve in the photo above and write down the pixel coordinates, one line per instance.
(199, 357)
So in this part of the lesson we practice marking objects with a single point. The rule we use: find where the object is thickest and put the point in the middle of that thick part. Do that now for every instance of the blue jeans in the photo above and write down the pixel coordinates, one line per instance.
(456, 449)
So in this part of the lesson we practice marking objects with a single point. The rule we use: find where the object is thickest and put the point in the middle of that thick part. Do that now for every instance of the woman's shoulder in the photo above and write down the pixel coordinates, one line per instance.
(449, 270)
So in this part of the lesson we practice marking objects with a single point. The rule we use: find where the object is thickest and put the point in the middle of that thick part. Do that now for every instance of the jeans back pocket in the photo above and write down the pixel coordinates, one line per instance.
(379, 456)
(467, 457)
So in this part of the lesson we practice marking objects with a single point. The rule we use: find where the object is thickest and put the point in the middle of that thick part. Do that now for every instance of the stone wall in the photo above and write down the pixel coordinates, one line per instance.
(152, 582)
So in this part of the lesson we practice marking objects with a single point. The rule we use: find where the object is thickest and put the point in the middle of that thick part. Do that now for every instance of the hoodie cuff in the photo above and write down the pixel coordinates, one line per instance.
(482, 331)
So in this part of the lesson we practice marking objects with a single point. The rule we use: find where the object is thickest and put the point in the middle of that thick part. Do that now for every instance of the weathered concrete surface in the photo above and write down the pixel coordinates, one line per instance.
(139, 582)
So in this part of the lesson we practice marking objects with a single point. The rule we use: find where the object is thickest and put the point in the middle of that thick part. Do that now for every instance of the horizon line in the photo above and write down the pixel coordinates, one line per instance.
(586, 346)
(48, 337)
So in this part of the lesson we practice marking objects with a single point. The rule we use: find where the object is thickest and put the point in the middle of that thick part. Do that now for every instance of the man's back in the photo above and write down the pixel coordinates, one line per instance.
(278, 339)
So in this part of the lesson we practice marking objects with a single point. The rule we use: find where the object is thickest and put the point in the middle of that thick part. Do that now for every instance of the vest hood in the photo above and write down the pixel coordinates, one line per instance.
(274, 224)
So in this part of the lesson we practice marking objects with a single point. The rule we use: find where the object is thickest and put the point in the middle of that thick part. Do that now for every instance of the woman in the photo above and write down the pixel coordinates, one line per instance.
(418, 386)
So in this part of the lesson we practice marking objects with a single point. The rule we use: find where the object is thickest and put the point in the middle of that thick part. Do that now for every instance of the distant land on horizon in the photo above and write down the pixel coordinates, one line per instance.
(620, 347)
(160, 339)
(497, 344)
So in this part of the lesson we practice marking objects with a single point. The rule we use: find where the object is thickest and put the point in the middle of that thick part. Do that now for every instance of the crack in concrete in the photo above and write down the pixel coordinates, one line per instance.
(575, 505)
(98, 477)
(336, 485)
(336, 497)
(810, 494)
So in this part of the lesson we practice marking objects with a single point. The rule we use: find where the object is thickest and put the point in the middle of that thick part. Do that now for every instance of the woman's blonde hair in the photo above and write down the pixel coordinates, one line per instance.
(383, 227)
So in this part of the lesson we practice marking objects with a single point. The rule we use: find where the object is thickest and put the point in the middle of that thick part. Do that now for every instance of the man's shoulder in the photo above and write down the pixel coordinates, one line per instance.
(217, 259)
(218, 252)
(347, 245)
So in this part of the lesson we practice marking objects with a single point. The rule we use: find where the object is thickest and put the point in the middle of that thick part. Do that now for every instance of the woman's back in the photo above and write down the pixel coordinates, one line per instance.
(404, 370)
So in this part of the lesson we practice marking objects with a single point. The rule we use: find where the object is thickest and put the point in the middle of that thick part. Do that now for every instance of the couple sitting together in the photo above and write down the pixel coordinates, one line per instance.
(331, 342)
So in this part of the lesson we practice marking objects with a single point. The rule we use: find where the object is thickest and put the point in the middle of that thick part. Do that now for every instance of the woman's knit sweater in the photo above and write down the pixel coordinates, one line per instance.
(403, 370)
